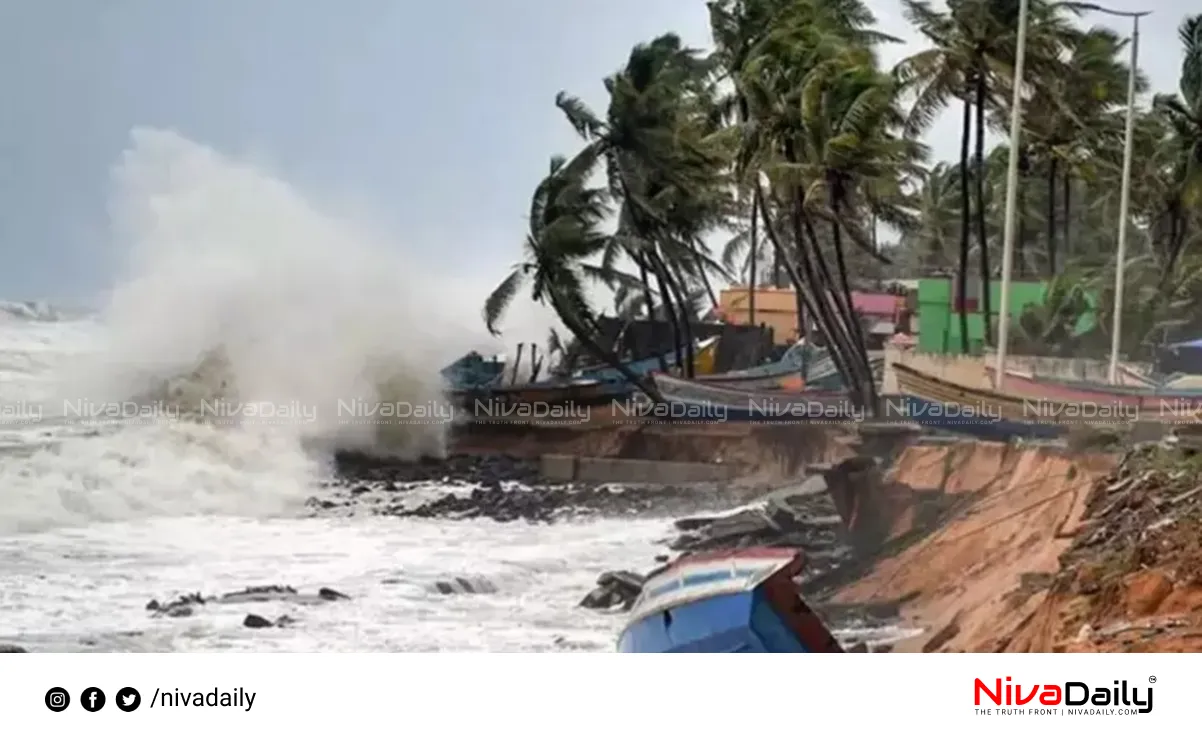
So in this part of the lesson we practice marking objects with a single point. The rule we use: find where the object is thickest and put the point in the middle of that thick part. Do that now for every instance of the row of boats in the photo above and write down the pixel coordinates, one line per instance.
(804, 386)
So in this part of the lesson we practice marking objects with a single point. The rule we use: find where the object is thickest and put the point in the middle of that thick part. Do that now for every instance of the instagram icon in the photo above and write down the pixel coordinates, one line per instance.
(57, 699)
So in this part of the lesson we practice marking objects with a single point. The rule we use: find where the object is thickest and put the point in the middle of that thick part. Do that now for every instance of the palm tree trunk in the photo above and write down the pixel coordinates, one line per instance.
(1052, 183)
(804, 297)
(755, 249)
(675, 286)
(1068, 197)
(665, 300)
(851, 333)
(982, 237)
(841, 263)
(965, 215)
(705, 279)
(648, 299)
(586, 339)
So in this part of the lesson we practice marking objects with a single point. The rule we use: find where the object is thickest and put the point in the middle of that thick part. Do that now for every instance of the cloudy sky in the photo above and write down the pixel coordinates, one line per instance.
(437, 118)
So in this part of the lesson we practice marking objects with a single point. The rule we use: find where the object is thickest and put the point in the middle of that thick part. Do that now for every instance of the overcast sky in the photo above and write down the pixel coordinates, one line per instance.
(436, 117)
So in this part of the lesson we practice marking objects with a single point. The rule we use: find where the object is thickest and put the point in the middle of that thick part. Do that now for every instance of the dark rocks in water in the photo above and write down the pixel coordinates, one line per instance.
(254, 621)
(459, 585)
(5, 648)
(284, 621)
(615, 588)
(186, 606)
(464, 468)
(183, 606)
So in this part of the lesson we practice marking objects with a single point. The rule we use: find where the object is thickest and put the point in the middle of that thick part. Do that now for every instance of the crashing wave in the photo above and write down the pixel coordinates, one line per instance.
(406, 416)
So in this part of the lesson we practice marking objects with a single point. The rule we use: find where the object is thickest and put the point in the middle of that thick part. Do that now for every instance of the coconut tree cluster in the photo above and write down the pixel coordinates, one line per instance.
(789, 155)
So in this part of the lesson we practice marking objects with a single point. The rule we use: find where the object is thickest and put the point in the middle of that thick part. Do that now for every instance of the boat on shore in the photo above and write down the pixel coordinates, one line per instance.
(693, 401)
(735, 601)
(936, 403)
(1026, 385)
(486, 402)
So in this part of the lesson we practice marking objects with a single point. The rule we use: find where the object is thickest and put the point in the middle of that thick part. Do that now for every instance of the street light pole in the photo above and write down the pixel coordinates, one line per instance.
(1120, 266)
(1016, 120)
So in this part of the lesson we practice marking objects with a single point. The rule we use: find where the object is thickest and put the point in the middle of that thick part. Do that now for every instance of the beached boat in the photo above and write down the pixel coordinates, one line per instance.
(704, 355)
(936, 403)
(690, 400)
(1023, 385)
(583, 392)
(738, 601)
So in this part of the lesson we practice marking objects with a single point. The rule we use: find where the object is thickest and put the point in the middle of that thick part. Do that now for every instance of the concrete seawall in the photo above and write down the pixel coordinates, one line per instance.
(566, 468)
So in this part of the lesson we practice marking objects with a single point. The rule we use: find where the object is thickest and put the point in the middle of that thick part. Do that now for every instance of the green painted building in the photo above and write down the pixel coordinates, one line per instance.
(939, 319)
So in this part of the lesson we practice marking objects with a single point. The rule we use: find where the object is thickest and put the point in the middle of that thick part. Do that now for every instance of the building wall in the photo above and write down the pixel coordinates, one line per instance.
(775, 308)
(939, 322)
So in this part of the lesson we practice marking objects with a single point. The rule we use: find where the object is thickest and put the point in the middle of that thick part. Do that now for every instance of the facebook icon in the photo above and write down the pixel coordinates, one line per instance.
(92, 699)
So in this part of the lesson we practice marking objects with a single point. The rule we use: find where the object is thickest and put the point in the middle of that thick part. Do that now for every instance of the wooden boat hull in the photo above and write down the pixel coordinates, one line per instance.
(1142, 397)
(935, 403)
(584, 394)
(704, 355)
(689, 400)
(737, 601)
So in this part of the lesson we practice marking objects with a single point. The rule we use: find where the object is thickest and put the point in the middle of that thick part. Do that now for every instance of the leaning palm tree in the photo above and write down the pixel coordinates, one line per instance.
(666, 170)
(797, 64)
(564, 231)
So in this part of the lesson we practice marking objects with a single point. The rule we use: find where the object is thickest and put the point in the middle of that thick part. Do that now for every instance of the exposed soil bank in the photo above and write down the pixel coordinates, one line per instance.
(1004, 513)
(1132, 580)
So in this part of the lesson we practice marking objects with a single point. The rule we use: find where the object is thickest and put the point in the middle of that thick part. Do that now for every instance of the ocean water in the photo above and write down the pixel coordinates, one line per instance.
(97, 518)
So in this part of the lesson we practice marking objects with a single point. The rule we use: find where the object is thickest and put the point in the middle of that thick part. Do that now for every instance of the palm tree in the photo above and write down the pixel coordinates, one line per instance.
(971, 60)
(811, 52)
(1183, 146)
(666, 162)
(565, 214)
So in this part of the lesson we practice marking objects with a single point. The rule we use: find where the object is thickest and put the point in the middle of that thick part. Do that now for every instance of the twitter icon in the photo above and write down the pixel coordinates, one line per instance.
(128, 699)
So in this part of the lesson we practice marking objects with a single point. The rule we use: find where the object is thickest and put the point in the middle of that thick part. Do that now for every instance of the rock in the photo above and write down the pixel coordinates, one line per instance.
(6, 648)
(329, 594)
(283, 621)
(178, 610)
(464, 585)
(254, 621)
(258, 593)
(1146, 591)
(614, 588)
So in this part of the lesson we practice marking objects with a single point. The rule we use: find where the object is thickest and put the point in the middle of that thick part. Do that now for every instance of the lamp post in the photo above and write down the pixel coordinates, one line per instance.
(1012, 187)
(1016, 121)
(1120, 266)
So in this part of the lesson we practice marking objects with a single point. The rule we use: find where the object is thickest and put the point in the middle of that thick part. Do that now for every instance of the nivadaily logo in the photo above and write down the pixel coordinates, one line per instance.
(1068, 698)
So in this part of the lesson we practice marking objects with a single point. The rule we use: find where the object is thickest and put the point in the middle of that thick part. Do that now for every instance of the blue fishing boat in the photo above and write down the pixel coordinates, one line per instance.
(737, 601)
(703, 354)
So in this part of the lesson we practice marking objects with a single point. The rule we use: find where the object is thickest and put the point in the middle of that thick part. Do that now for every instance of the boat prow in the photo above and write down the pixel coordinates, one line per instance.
(736, 601)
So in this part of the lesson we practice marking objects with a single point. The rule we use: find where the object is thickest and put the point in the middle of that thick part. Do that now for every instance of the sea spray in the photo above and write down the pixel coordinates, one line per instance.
(222, 260)
(232, 286)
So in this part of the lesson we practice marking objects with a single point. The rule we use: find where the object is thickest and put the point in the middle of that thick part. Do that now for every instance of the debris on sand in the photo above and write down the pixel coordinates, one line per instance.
(1132, 579)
